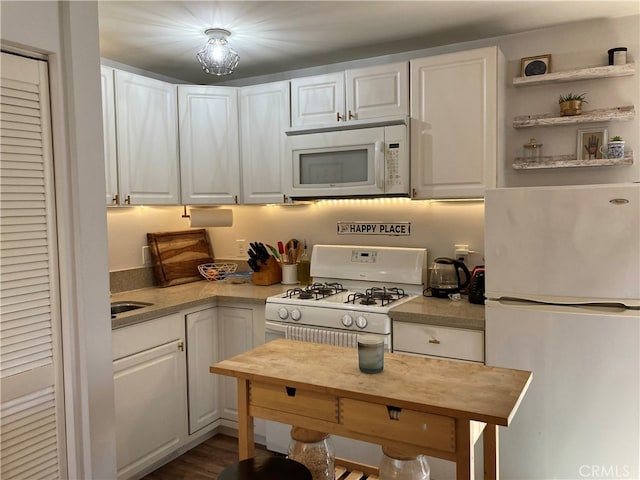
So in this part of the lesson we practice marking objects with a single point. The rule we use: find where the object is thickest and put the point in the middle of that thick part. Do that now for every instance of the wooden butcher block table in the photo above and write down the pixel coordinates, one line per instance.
(416, 404)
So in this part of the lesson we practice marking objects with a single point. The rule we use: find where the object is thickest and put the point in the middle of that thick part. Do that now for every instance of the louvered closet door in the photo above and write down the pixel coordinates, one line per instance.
(32, 444)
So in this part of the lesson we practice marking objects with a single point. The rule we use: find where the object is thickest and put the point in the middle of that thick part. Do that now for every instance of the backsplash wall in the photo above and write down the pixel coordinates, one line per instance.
(436, 226)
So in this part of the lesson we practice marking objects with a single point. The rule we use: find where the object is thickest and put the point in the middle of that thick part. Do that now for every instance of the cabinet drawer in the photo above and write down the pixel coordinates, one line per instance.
(148, 334)
(294, 400)
(455, 343)
(401, 424)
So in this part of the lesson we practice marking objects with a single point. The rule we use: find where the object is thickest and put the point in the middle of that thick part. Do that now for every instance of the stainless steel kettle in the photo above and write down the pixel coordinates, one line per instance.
(445, 277)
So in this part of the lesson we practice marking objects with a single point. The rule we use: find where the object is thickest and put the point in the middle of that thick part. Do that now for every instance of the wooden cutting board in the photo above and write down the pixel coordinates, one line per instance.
(176, 255)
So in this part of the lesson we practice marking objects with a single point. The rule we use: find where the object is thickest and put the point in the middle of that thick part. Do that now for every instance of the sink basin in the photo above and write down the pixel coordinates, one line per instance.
(121, 307)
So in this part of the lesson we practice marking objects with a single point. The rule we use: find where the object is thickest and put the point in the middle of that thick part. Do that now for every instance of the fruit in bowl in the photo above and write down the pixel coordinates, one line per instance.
(212, 274)
(216, 271)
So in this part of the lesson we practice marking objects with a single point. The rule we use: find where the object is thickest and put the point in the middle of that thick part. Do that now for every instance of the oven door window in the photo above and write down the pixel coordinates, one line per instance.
(349, 166)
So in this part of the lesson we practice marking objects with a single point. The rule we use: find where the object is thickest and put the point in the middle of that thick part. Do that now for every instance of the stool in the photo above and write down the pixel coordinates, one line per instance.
(266, 468)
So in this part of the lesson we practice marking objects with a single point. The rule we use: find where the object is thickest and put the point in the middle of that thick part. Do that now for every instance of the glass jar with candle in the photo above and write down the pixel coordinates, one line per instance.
(532, 150)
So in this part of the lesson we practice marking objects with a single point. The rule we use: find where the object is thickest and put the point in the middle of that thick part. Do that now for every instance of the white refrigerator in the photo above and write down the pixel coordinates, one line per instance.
(563, 292)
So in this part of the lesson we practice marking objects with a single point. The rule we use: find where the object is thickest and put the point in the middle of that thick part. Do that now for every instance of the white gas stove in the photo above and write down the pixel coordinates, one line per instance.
(354, 288)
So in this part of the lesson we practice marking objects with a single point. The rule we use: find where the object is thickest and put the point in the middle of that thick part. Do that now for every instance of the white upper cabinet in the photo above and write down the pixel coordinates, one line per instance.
(147, 140)
(209, 148)
(377, 92)
(264, 117)
(362, 94)
(317, 100)
(109, 133)
(455, 133)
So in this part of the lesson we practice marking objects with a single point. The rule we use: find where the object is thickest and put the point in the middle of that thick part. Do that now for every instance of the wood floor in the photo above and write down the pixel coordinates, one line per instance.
(204, 462)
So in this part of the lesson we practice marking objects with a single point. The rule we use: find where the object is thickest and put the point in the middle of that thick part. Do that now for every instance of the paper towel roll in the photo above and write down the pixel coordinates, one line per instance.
(211, 217)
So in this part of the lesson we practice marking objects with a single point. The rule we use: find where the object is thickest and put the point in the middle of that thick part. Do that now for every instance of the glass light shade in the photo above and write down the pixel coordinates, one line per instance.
(217, 57)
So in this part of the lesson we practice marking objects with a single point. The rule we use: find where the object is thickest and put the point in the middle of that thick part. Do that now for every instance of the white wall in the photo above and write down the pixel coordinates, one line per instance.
(67, 34)
(436, 226)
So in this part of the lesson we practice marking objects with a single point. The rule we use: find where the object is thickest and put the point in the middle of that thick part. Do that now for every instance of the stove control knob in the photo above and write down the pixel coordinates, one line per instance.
(361, 322)
(347, 320)
(283, 313)
(295, 314)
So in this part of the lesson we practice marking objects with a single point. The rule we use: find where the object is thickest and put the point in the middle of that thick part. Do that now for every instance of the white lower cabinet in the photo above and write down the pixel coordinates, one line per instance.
(437, 341)
(202, 352)
(150, 392)
(235, 327)
(166, 400)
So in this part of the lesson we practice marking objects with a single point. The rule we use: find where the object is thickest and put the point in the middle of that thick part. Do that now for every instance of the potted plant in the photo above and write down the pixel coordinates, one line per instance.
(571, 104)
(615, 147)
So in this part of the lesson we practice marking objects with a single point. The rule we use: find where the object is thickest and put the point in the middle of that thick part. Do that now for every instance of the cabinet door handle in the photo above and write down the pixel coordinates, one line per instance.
(235, 199)
(181, 346)
(434, 341)
(128, 200)
(351, 115)
(339, 117)
(116, 199)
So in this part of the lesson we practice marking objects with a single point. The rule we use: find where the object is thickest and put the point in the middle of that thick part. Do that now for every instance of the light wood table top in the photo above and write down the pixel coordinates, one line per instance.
(455, 389)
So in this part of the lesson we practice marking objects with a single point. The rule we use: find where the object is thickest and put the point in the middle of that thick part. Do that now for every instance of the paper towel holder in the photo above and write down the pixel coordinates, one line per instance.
(215, 216)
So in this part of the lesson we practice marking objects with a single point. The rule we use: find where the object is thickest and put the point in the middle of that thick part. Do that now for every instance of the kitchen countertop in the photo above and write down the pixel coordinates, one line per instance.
(441, 311)
(168, 300)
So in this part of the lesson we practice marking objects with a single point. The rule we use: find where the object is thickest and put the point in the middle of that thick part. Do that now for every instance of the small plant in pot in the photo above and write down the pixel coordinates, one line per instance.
(571, 104)
(615, 147)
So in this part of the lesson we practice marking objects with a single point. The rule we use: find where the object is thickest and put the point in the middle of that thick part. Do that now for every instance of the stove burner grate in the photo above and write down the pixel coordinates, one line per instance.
(375, 295)
(314, 291)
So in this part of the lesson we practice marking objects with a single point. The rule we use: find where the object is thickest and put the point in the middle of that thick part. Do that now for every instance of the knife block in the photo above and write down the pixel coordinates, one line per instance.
(269, 273)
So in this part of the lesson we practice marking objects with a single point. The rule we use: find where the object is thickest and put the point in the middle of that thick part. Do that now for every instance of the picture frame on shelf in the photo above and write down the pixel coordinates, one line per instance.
(536, 65)
(590, 140)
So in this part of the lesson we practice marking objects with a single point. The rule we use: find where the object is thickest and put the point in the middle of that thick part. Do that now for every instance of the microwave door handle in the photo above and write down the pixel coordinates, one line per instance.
(379, 165)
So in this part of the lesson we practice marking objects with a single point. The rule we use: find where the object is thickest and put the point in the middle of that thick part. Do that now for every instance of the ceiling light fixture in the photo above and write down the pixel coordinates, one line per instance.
(217, 57)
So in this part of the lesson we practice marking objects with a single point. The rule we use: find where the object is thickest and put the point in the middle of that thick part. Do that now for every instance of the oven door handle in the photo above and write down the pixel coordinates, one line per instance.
(277, 328)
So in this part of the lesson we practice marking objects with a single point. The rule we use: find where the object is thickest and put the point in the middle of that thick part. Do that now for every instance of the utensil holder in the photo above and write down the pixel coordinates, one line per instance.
(269, 273)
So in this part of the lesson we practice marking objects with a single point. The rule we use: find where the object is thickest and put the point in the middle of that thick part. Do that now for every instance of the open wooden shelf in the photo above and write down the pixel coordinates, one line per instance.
(589, 73)
(626, 112)
(569, 161)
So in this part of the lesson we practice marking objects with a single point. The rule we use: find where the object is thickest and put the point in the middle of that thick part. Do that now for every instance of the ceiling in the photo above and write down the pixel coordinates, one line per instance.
(164, 36)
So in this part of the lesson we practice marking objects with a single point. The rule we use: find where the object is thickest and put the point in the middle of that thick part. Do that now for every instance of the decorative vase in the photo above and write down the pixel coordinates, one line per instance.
(571, 107)
(614, 149)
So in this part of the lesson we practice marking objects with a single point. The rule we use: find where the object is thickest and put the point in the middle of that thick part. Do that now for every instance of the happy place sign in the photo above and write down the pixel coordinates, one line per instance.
(374, 228)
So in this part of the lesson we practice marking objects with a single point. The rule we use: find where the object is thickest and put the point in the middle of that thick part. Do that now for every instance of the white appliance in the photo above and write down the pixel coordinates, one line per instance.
(354, 288)
(563, 289)
(362, 162)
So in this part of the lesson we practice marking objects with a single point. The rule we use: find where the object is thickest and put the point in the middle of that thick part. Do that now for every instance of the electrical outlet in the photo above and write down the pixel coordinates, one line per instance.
(461, 252)
(241, 248)
(146, 257)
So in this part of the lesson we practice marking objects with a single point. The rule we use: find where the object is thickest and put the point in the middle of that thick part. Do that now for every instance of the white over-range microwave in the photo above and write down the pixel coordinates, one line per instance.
(362, 162)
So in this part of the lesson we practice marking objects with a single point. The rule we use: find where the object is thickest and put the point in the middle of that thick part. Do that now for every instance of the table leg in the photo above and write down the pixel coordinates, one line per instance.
(464, 450)
(491, 453)
(246, 445)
